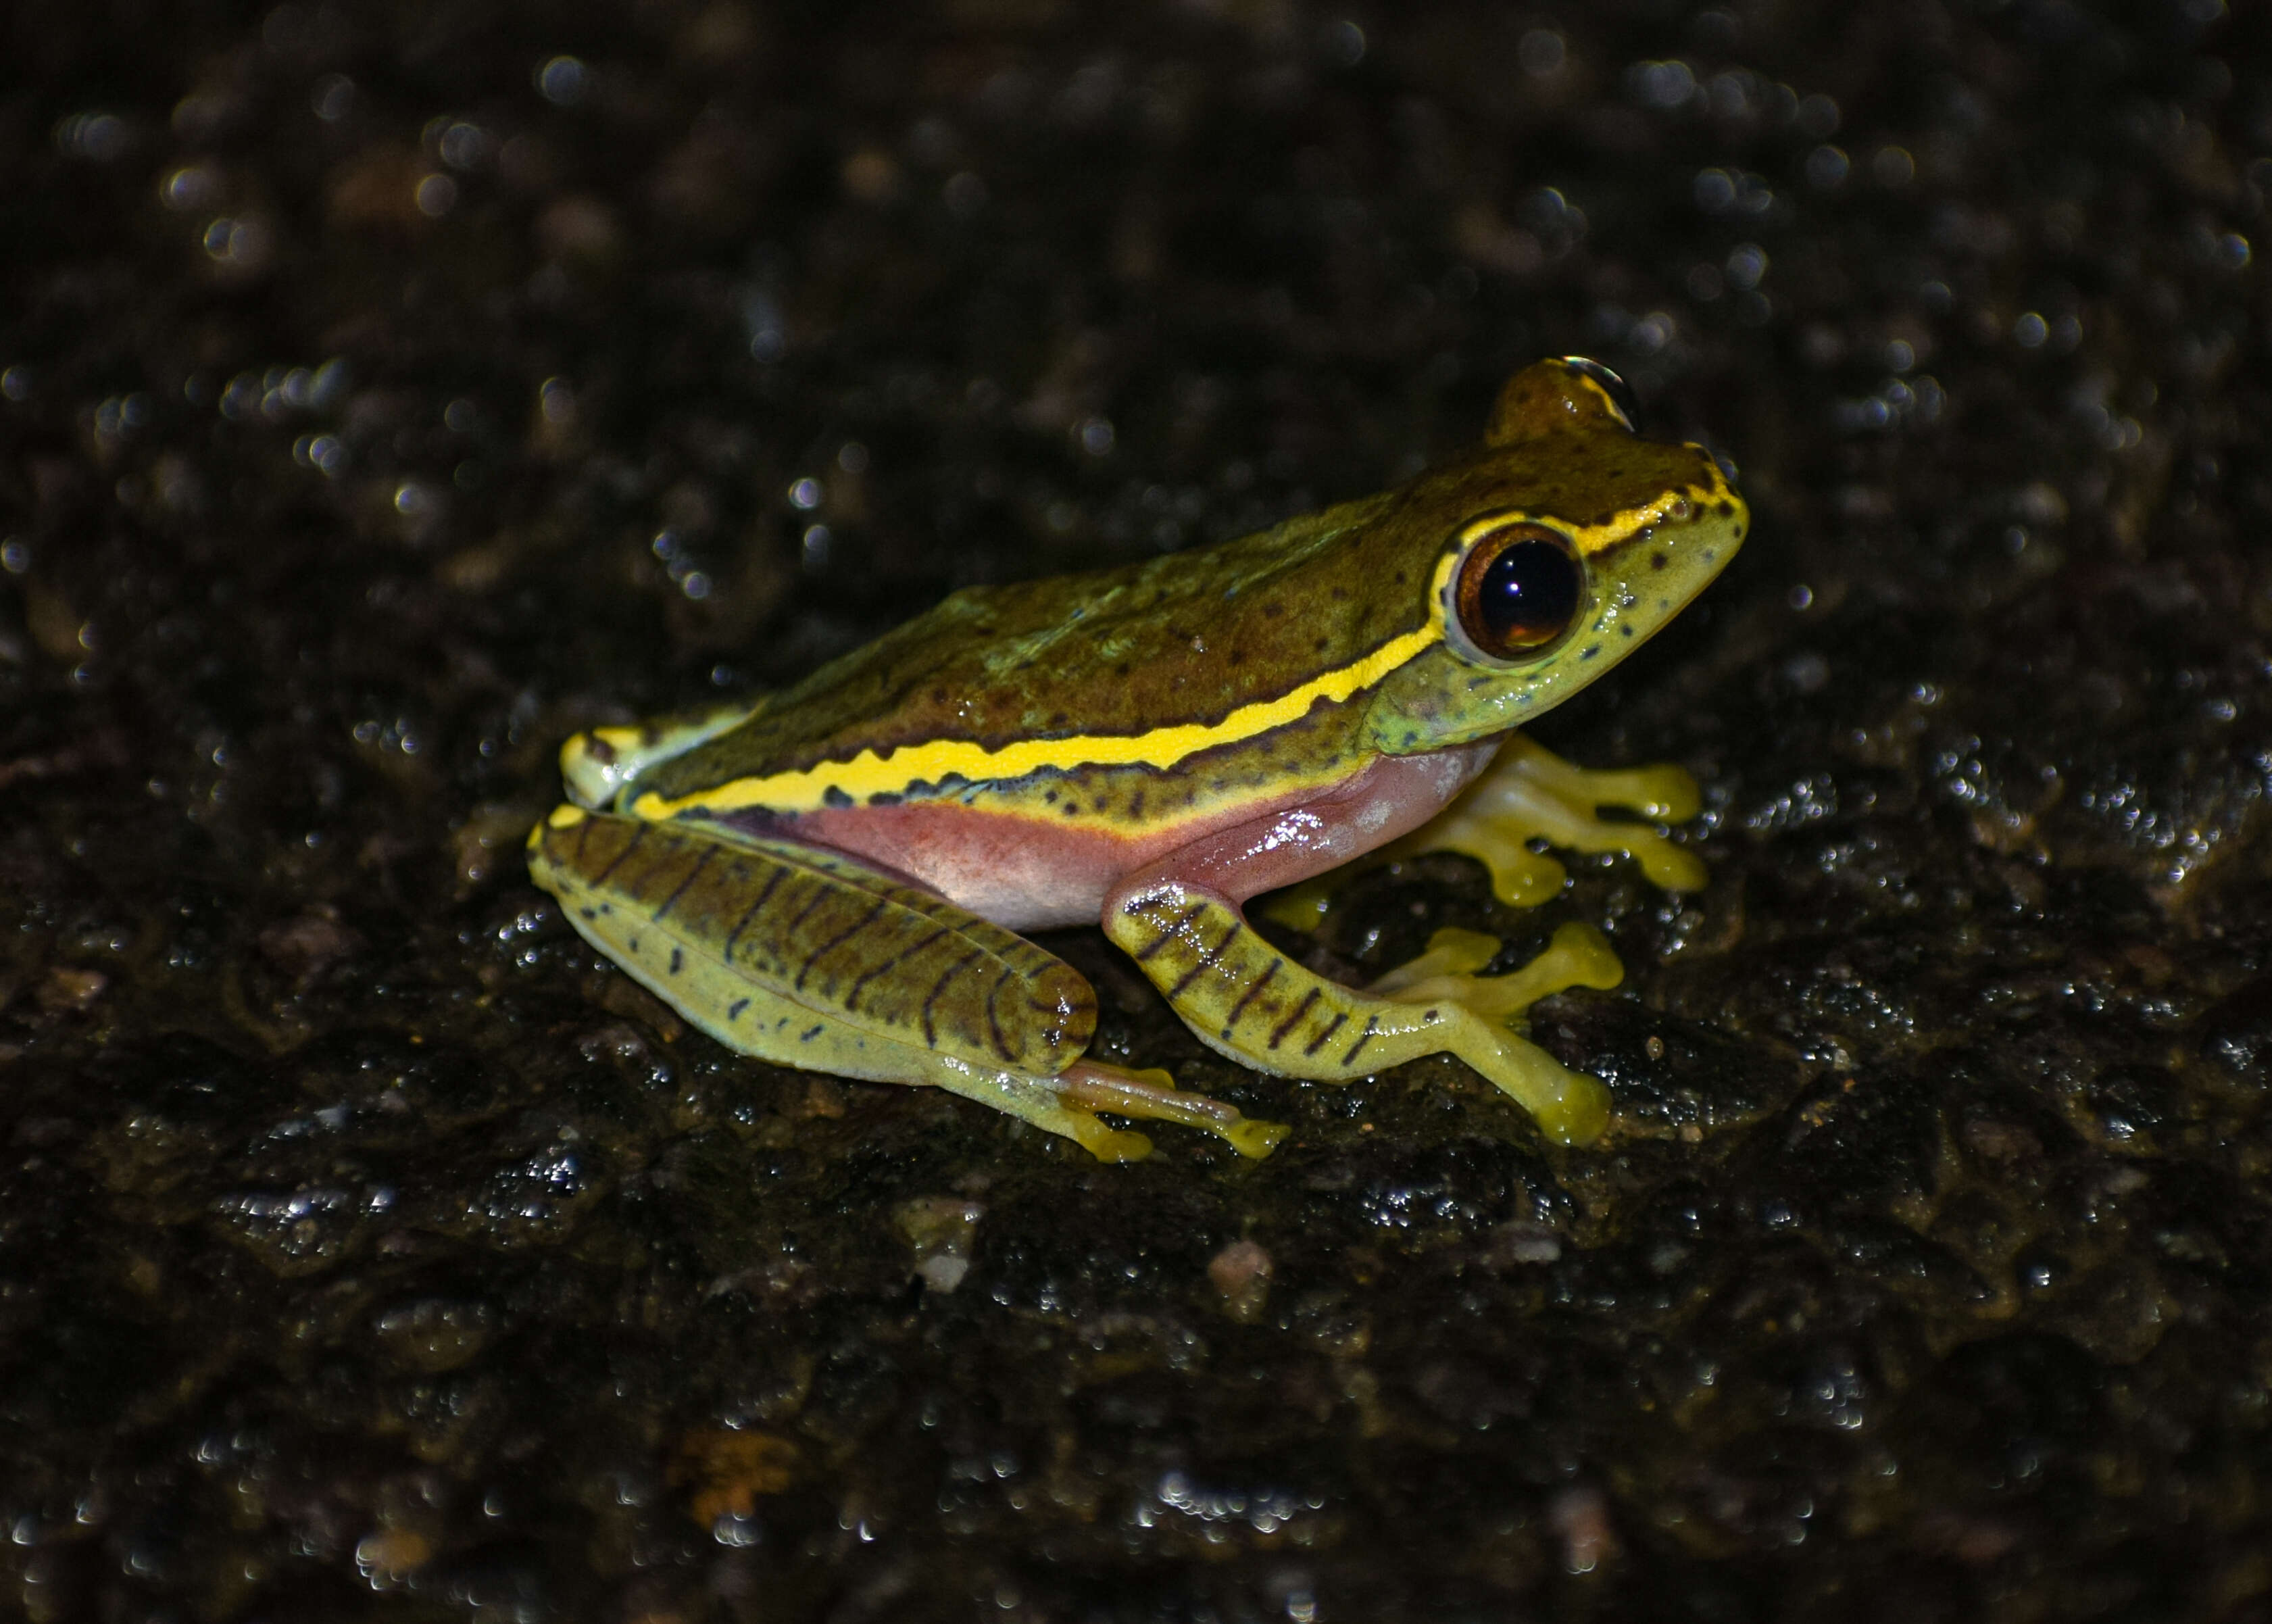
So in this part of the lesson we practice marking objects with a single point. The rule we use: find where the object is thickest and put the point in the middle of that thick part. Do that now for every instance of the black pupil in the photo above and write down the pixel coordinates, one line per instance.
(1529, 593)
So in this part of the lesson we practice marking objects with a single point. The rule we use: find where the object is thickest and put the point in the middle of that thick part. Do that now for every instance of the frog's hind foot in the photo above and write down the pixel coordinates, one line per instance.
(1529, 793)
(1153, 1094)
(1067, 1104)
(1043, 1101)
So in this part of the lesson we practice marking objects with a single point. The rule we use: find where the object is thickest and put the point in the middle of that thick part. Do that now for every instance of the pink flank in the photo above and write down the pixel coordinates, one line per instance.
(1026, 874)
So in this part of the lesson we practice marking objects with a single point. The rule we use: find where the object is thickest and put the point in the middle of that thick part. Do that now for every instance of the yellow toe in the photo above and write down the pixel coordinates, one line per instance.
(1254, 1140)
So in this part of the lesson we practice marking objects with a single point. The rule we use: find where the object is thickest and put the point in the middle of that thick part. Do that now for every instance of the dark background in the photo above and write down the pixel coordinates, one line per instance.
(386, 392)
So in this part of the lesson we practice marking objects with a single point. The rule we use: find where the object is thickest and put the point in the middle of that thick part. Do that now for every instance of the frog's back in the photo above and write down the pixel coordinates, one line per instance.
(1177, 643)
(1080, 655)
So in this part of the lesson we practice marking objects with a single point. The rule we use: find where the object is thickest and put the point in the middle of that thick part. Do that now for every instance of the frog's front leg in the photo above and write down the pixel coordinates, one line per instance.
(802, 955)
(1181, 921)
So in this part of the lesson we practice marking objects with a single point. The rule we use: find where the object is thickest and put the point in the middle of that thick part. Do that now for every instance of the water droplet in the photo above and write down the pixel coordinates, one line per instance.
(562, 81)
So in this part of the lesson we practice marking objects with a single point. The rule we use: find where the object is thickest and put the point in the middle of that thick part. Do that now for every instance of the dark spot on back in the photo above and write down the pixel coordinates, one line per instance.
(1657, 560)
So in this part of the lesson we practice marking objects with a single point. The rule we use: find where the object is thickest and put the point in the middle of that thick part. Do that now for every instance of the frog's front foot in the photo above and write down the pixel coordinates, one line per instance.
(1529, 793)
(1579, 957)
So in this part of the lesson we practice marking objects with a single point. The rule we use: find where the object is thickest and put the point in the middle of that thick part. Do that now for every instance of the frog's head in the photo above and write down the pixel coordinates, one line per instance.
(1557, 549)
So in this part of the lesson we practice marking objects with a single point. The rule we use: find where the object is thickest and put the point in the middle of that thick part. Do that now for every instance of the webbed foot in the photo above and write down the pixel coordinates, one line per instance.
(1529, 793)
(1579, 955)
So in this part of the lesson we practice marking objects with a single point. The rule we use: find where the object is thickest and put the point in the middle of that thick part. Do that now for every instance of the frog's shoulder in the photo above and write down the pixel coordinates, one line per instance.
(1188, 637)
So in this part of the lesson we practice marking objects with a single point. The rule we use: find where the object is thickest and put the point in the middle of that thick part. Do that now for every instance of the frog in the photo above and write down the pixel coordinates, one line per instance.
(842, 875)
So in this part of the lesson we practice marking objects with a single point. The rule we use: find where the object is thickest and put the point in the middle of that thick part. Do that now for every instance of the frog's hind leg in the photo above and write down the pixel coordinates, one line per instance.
(1529, 792)
(807, 957)
(1244, 998)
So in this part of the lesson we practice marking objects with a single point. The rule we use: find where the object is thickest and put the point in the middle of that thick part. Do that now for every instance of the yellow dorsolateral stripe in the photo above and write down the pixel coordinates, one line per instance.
(869, 773)
(1592, 538)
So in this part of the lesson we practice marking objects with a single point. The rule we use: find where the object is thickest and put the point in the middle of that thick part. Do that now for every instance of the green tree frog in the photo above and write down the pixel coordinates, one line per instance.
(835, 876)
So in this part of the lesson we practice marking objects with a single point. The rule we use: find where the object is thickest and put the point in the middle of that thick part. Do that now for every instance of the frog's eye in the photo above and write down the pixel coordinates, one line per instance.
(1517, 591)
(1619, 392)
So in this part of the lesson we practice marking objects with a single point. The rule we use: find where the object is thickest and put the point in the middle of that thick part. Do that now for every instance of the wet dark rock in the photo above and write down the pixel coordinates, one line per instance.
(2236, 1036)
(1668, 1074)
(1885, 1250)
(387, 392)
(1410, 1194)
(2132, 1104)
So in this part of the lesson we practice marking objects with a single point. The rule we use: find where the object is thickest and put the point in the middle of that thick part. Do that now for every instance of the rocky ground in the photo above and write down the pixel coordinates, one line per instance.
(387, 391)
